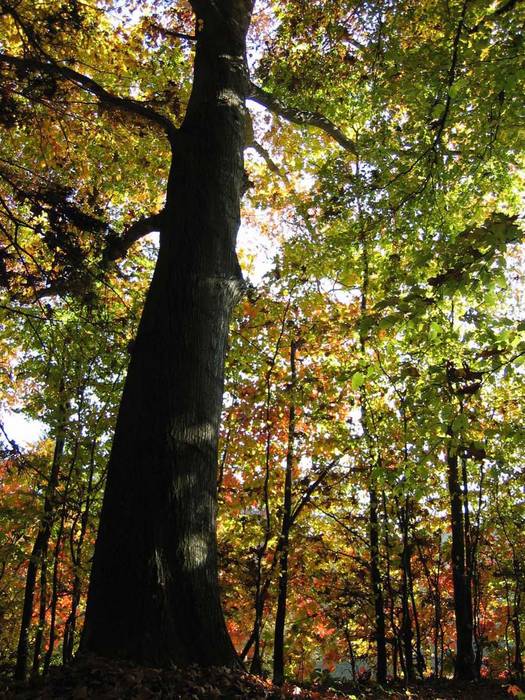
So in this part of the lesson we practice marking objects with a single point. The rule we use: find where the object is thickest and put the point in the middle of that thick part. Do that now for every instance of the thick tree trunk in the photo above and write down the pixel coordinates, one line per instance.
(154, 595)
(464, 666)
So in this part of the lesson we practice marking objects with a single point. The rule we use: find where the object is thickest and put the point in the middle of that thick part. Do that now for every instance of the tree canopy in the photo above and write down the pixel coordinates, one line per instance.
(367, 451)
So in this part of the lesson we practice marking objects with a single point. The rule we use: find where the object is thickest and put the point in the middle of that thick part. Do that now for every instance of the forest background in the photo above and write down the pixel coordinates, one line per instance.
(370, 476)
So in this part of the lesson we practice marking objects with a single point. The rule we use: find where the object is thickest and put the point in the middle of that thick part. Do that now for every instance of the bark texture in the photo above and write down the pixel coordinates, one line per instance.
(280, 615)
(377, 588)
(38, 558)
(154, 595)
(464, 665)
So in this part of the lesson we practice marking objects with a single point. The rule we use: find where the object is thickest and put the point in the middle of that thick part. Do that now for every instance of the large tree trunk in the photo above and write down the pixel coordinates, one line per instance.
(154, 595)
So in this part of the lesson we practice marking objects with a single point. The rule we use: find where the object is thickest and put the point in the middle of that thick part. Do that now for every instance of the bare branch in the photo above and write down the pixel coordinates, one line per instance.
(501, 10)
(171, 33)
(118, 246)
(299, 116)
(108, 99)
(305, 497)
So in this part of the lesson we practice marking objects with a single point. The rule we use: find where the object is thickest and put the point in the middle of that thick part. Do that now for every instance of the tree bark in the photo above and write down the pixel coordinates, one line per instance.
(464, 666)
(56, 560)
(517, 666)
(76, 553)
(396, 648)
(406, 623)
(280, 616)
(377, 588)
(154, 594)
(38, 557)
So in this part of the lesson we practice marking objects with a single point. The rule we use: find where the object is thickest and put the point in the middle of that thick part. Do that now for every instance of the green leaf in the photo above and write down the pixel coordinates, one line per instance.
(358, 380)
(435, 330)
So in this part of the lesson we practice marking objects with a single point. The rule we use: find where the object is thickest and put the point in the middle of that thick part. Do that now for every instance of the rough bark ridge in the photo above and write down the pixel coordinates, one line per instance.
(154, 594)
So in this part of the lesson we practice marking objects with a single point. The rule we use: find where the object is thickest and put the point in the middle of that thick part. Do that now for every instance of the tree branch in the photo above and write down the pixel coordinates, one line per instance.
(305, 497)
(118, 246)
(301, 117)
(501, 10)
(171, 33)
(108, 99)
(451, 76)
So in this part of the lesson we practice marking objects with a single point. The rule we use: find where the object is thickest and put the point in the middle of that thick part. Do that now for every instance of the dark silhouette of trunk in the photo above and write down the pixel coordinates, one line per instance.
(260, 593)
(56, 559)
(390, 590)
(42, 609)
(420, 659)
(351, 654)
(280, 616)
(377, 588)
(517, 564)
(154, 594)
(262, 585)
(469, 546)
(406, 620)
(76, 552)
(464, 665)
(373, 520)
(517, 666)
(434, 588)
(514, 597)
(37, 558)
(265, 583)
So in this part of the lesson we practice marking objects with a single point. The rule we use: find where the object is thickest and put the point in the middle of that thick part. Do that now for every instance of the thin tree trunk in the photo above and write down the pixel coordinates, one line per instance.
(406, 620)
(261, 588)
(154, 594)
(280, 617)
(351, 654)
(469, 545)
(388, 578)
(420, 659)
(373, 520)
(377, 589)
(42, 609)
(37, 554)
(518, 660)
(56, 561)
(433, 585)
(464, 665)
(70, 626)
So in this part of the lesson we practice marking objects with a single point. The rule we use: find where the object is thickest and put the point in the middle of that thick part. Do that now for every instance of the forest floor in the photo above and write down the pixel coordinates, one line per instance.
(103, 680)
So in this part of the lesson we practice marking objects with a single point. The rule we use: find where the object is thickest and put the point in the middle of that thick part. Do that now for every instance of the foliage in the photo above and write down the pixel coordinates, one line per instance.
(386, 180)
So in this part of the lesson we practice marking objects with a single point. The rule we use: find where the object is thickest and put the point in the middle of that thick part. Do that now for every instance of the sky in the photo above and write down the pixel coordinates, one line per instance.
(22, 429)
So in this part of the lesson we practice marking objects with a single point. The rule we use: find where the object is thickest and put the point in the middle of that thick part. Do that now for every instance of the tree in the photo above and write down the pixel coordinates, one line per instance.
(431, 150)
(156, 549)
